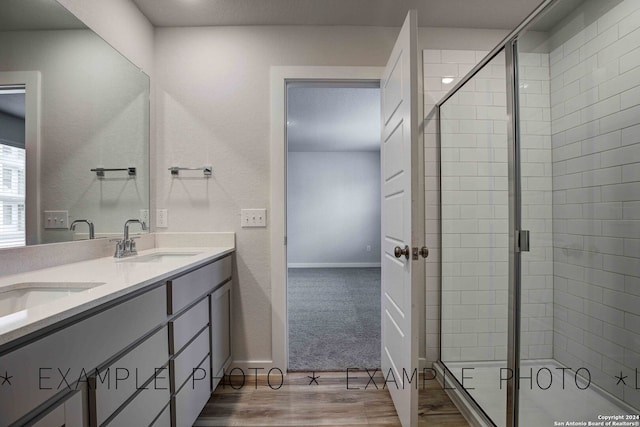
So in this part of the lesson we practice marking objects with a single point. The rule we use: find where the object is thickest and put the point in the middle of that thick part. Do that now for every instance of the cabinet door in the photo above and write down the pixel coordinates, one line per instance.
(220, 331)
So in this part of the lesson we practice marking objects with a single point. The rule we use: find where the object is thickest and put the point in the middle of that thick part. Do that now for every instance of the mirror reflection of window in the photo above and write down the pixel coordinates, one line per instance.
(12, 166)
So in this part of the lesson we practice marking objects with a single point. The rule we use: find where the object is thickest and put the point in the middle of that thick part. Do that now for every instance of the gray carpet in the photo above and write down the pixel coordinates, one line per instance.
(334, 318)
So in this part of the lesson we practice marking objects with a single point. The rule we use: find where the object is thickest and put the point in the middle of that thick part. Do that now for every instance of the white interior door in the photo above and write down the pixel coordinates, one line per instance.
(402, 221)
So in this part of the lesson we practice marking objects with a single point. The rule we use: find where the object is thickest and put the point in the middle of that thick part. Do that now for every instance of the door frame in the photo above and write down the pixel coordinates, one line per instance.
(31, 80)
(279, 78)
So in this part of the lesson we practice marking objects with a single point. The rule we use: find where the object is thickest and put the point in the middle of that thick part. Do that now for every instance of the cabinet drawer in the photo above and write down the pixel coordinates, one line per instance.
(69, 413)
(143, 409)
(164, 420)
(186, 289)
(184, 364)
(183, 328)
(78, 348)
(188, 403)
(119, 381)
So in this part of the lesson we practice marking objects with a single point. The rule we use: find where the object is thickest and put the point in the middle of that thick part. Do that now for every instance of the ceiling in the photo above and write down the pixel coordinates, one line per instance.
(496, 14)
(333, 119)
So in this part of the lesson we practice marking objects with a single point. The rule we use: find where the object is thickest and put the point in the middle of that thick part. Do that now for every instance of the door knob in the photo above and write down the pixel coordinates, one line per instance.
(398, 252)
(424, 252)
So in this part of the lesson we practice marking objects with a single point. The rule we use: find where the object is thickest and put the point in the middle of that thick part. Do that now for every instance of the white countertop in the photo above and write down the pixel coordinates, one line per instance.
(120, 277)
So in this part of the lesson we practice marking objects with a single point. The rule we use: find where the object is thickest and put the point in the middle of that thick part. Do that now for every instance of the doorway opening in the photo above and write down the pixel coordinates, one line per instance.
(12, 166)
(333, 224)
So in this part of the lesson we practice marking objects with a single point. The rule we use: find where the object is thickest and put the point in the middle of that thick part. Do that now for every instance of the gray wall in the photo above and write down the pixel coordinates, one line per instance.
(333, 209)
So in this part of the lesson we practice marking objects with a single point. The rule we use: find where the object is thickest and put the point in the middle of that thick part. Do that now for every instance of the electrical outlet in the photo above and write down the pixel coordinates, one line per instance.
(253, 217)
(368, 248)
(56, 219)
(162, 218)
(144, 216)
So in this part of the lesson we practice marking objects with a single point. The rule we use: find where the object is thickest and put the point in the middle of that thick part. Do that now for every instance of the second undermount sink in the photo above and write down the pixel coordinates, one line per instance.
(162, 256)
(22, 296)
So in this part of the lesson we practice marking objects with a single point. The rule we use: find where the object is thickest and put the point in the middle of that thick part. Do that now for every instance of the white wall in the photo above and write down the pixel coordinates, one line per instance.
(333, 209)
(212, 102)
(595, 106)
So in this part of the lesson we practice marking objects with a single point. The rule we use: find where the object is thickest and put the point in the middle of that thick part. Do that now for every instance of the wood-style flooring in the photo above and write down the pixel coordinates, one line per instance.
(300, 402)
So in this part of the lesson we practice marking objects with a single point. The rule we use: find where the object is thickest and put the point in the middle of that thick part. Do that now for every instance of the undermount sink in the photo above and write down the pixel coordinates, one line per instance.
(22, 296)
(162, 256)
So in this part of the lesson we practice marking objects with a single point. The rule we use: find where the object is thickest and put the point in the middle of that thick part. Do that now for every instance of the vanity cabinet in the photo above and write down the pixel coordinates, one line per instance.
(145, 359)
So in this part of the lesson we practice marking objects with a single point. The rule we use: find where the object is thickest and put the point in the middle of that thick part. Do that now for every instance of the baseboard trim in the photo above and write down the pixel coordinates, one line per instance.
(334, 265)
(250, 366)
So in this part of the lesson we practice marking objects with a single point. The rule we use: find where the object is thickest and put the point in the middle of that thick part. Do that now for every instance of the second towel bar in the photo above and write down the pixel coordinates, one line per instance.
(206, 170)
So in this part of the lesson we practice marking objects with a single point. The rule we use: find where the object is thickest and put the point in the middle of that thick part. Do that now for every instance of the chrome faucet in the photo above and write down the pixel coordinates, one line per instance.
(127, 246)
(72, 227)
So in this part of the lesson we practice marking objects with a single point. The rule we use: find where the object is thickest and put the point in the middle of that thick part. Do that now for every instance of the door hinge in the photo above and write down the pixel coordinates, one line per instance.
(523, 240)
(285, 240)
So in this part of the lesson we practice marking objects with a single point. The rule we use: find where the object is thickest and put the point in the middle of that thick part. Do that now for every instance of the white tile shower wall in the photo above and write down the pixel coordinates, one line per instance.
(595, 104)
(474, 223)
(434, 90)
(536, 196)
(474, 162)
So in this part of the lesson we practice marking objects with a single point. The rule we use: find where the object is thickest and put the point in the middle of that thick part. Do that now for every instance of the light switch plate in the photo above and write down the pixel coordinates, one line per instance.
(162, 218)
(253, 217)
(56, 219)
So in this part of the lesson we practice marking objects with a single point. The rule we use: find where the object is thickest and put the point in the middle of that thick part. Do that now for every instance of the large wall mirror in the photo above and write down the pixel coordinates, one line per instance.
(74, 128)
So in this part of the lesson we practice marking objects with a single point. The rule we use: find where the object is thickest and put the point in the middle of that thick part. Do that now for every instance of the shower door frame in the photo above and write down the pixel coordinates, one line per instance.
(509, 44)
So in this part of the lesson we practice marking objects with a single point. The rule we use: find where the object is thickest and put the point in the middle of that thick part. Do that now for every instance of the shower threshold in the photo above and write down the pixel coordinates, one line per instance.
(551, 394)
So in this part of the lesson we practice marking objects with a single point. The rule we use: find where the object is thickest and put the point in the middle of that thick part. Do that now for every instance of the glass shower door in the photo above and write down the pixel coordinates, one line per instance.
(474, 196)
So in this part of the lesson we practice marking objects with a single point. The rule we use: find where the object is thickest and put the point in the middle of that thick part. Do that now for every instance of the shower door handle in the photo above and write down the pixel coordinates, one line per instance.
(523, 240)
(398, 251)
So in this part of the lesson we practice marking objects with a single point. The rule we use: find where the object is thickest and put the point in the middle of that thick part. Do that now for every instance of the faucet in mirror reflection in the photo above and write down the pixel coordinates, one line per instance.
(92, 234)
